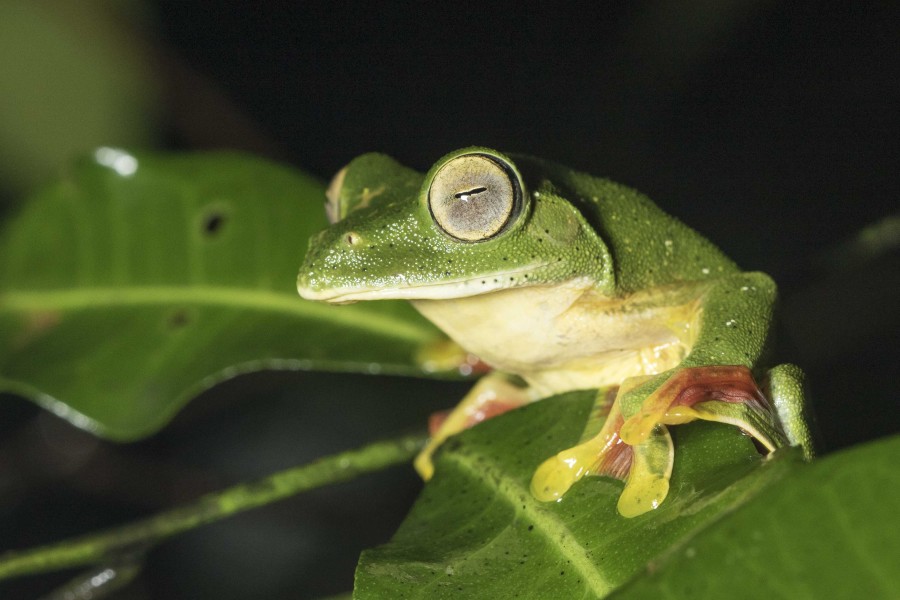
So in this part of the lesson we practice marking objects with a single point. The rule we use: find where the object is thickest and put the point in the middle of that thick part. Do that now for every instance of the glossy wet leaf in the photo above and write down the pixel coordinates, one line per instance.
(828, 531)
(135, 283)
(476, 532)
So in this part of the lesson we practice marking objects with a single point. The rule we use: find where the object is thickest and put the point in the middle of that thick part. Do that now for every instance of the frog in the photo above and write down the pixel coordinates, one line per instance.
(557, 281)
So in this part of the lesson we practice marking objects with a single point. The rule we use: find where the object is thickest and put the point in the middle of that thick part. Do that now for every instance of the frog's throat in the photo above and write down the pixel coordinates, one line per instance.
(445, 290)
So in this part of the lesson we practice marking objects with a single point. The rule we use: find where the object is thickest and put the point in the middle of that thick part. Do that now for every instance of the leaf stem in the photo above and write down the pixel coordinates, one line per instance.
(143, 534)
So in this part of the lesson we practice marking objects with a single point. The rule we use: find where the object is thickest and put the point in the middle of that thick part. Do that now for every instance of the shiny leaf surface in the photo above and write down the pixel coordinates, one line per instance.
(827, 531)
(477, 532)
(137, 282)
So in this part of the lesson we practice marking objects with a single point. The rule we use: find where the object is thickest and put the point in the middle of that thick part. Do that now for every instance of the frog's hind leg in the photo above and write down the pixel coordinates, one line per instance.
(720, 393)
(725, 394)
(786, 390)
(492, 395)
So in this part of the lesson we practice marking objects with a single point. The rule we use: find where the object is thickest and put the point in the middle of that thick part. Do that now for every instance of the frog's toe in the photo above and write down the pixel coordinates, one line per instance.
(648, 481)
(638, 428)
(604, 454)
(555, 476)
(639, 499)
(423, 463)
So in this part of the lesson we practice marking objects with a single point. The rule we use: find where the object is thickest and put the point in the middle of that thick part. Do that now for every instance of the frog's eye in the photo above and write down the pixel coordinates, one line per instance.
(473, 196)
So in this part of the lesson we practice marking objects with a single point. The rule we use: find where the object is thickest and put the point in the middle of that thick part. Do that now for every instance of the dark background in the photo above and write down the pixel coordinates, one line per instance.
(770, 127)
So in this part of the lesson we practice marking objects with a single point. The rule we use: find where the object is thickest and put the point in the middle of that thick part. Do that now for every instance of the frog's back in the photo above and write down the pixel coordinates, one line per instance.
(649, 247)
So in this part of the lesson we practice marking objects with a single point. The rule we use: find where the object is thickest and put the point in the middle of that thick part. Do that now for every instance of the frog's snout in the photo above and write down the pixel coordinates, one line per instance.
(306, 278)
(322, 267)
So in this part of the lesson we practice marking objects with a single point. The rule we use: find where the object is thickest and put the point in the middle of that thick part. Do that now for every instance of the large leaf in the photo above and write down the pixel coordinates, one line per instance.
(137, 282)
(830, 530)
(476, 531)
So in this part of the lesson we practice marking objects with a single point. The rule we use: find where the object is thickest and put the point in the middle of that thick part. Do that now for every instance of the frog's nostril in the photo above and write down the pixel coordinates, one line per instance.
(352, 238)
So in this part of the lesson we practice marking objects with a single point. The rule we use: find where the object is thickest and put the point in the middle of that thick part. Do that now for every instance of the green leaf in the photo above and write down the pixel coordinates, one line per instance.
(137, 282)
(731, 518)
(476, 531)
(828, 531)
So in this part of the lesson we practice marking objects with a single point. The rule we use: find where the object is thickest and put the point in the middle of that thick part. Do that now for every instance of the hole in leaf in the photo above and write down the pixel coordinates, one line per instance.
(178, 319)
(213, 222)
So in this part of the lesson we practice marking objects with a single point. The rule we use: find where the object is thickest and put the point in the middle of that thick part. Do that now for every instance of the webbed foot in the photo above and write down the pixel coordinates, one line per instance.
(638, 447)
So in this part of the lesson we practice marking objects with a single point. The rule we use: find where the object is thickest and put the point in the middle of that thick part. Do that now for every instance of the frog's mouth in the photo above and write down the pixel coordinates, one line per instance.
(411, 290)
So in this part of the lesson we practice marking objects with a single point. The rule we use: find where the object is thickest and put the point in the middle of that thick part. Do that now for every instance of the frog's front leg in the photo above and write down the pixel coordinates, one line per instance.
(492, 395)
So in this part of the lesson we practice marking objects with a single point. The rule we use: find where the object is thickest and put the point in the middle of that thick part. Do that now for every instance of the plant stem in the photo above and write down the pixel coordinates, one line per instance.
(143, 534)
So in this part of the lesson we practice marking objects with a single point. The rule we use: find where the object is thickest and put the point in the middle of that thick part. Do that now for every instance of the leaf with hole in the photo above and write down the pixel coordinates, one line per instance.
(138, 281)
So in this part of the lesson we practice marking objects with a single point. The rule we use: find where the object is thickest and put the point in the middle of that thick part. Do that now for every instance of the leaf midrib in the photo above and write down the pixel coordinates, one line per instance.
(262, 300)
(489, 474)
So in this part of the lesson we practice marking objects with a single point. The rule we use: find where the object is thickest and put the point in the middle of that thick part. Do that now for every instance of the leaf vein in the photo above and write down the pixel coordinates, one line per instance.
(493, 476)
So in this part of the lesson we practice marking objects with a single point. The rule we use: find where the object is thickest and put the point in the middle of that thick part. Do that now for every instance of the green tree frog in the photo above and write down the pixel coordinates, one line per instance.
(561, 281)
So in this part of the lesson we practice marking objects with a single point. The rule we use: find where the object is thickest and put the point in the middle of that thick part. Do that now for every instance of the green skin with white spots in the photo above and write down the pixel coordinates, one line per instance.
(606, 260)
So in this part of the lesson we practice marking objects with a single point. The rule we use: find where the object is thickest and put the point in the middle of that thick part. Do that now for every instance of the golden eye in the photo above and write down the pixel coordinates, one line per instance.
(473, 196)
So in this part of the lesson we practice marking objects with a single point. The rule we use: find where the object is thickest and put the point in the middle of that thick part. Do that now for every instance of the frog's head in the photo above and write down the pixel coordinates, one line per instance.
(473, 224)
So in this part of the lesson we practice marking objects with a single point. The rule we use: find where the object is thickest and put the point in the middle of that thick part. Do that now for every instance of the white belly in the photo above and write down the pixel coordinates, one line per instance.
(566, 337)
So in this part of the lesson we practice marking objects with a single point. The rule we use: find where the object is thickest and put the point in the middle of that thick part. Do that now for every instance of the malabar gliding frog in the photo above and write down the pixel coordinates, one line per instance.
(562, 281)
